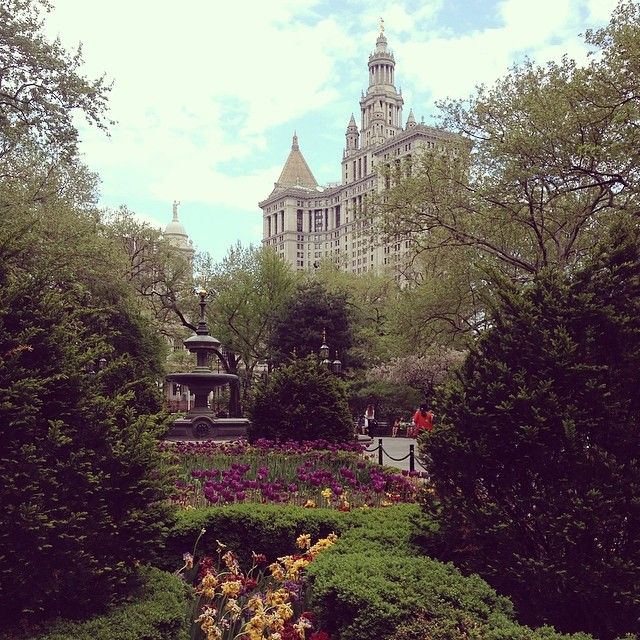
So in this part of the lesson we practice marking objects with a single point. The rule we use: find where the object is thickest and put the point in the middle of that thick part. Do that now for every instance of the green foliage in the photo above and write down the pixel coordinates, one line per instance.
(544, 161)
(41, 83)
(537, 462)
(156, 610)
(372, 581)
(391, 399)
(84, 485)
(310, 310)
(272, 529)
(267, 528)
(373, 584)
(301, 400)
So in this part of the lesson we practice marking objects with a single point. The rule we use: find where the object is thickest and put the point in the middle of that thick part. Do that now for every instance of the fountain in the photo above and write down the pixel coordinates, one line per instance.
(200, 421)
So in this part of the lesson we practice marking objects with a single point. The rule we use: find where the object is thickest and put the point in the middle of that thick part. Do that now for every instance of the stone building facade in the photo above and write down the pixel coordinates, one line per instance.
(306, 223)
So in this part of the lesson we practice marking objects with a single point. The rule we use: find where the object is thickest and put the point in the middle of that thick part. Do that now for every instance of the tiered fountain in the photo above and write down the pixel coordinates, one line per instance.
(200, 421)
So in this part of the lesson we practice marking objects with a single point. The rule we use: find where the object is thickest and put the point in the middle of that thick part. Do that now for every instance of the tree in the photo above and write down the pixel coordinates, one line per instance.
(536, 461)
(422, 372)
(310, 311)
(300, 401)
(41, 87)
(536, 170)
(370, 299)
(84, 486)
(251, 286)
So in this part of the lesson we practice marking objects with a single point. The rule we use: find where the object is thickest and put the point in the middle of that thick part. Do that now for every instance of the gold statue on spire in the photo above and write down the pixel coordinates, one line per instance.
(381, 25)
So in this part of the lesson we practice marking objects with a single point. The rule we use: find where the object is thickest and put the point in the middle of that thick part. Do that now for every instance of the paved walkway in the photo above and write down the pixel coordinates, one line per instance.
(394, 448)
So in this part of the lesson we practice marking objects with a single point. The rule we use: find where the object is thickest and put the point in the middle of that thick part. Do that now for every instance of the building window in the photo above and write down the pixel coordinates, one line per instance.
(299, 219)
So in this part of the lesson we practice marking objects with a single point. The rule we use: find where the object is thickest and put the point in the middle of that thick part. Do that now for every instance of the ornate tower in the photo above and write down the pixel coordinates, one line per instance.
(381, 106)
(353, 137)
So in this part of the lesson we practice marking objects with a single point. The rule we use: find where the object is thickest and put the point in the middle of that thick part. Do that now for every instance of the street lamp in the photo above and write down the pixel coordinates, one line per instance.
(334, 366)
(323, 352)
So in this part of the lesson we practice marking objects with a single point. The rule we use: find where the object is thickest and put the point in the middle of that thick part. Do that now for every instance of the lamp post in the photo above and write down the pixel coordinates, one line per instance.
(334, 366)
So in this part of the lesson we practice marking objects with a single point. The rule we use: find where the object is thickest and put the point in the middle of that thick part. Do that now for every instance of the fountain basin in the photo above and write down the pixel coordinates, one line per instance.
(202, 378)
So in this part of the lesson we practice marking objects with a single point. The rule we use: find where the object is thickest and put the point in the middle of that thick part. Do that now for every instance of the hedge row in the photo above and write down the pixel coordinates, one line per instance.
(373, 583)
(156, 611)
(365, 588)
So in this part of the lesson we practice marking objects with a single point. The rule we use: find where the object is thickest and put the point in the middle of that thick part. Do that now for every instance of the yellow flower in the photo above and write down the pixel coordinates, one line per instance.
(309, 504)
(208, 585)
(231, 562)
(326, 493)
(276, 571)
(277, 597)
(285, 611)
(294, 570)
(233, 608)
(304, 541)
(231, 588)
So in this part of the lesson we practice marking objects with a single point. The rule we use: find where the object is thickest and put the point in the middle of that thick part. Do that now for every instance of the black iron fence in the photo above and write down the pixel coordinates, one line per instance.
(411, 456)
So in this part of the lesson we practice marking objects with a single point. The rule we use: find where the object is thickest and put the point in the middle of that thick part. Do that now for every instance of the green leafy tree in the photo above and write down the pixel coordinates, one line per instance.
(311, 310)
(301, 400)
(536, 169)
(41, 87)
(251, 286)
(536, 462)
(370, 299)
(84, 486)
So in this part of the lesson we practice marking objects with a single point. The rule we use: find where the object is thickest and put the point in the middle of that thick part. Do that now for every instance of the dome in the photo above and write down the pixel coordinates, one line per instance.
(175, 228)
(176, 234)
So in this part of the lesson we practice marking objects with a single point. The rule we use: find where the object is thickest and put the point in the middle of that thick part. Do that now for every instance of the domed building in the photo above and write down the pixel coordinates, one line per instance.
(176, 234)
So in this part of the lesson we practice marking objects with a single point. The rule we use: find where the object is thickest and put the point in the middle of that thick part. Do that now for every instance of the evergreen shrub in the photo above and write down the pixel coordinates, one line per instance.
(157, 610)
(536, 462)
(84, 486)
(374, 584)
(299, 401)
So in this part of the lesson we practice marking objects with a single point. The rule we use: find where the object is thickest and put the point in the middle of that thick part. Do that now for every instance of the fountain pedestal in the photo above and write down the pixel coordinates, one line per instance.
(200, 421)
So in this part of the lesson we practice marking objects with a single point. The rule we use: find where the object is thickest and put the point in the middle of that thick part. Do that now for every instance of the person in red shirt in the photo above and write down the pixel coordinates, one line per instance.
(422, 420)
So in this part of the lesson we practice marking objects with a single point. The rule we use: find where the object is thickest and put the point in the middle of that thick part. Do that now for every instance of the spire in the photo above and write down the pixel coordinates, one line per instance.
(296, 172)
(352, 126)
(175, 210)
(411, 121)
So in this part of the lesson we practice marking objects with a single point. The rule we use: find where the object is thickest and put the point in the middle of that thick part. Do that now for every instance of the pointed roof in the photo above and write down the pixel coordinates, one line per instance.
(296, 172)
(411, 121)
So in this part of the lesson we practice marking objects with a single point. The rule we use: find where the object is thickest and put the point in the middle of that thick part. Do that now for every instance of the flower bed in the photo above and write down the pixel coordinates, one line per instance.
(263, 602)
(309, 474)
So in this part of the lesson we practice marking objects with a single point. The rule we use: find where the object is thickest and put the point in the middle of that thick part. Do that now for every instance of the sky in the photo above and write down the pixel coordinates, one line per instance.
(207, 94)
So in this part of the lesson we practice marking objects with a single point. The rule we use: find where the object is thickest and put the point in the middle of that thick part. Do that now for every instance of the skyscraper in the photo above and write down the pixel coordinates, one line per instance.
(305, 222)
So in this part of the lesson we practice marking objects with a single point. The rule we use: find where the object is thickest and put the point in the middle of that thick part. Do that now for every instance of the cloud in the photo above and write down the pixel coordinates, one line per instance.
(445, 65)
(200, 87)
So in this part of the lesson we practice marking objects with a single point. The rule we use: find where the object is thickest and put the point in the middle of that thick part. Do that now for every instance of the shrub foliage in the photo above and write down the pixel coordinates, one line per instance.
(537, 462)
(301, 401)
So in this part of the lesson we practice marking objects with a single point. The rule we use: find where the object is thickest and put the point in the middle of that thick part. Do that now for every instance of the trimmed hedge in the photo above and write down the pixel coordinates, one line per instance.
(264, 528)
(156, 611)
(365, 589)
(373, 583)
